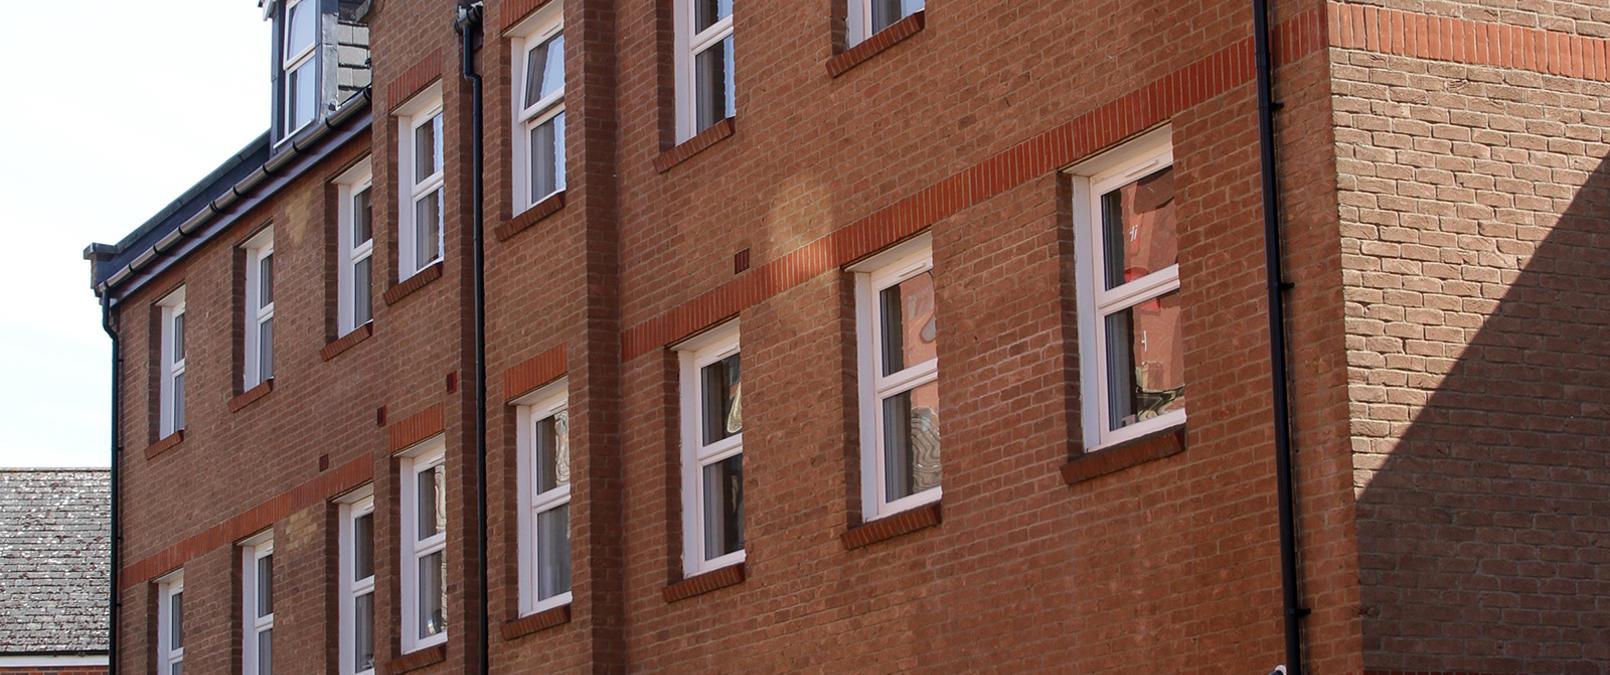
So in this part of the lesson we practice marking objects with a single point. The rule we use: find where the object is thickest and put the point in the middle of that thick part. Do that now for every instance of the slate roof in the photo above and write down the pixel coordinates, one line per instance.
(54, 532)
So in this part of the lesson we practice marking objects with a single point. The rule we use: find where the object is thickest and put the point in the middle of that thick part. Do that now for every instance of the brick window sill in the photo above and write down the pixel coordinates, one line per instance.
(700, 584)
(531, 216)
(1149, 448)
(889, 527)
(695, 145)
(896, 33)
(526, 625)
(415, 660)
(164, 444)
(347, 341)
(413, 283)
(250, 396)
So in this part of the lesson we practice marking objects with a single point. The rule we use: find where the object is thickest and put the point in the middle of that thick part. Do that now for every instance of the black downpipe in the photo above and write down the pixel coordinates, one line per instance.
(1277, 340)
(468, 25)
(116, 538)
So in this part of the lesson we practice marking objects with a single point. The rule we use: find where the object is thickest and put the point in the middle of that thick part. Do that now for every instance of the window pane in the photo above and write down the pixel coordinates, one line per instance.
(723, 408)
(265, 585)
(432, 484)
(176, 621)
(301, 95)
(911, 441)
(363, 547)
(361, 310)
(363, 634)
(432, 594)
(265, 652)
(723, 507)
(884, 12)
(178, 401)
(553, 552)
(712, 84)
(176, 668)
(361, 218)
(427, 229)
(178, 337)
(547, 157)
(1145, 361)
(427, 149)
(545, 70)
(553, 452)
(706, 12)
(299, 27)
(265, 349)
(265, 281)
(1137, 228)
(906, 313)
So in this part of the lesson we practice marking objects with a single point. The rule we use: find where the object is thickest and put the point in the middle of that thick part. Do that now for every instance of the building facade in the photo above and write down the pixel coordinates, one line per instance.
(736, 258)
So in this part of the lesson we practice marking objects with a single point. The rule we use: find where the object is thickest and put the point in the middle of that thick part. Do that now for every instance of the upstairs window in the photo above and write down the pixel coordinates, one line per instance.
(704, 60)
(259, 356)
(1131, 352)
(356, 583)
(712, 451)
(864, 18)
(257, 605)
(170, 624)
(424, 544)
(170, 408)
(298, 65)
(544, 464)
(355, 241)
(419, 161)
(539, 108)
(898, 366)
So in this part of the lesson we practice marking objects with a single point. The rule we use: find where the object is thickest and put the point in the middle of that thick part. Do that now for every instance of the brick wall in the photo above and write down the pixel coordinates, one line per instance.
(1473, 191)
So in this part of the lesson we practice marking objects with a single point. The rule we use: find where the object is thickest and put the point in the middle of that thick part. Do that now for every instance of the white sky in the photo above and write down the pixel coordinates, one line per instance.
(112, 110)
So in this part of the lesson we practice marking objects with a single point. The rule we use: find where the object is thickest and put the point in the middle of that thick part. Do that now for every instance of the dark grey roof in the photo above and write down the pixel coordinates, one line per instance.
(54, 527)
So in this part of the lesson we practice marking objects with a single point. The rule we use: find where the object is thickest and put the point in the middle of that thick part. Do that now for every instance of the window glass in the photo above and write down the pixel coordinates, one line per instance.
(911, 441)
(361, 223)
(265, 585)
(906, 310)
(1145, 361)
(176, 621)
(178, 336)
(265, 281)
(299, 27)
(427, 229)
(553, 452)
(723, 507)
(713, 84)
(723, 408)
(553, 540)
(363, 634)
(362, 311)
(265, 349)
(265, 652)
(432, 594)
(427, 149)
(363, 546)
(545, 70)
(1139, 235)
(178, 401)
(548, 157)
(707, 12)
(301, 97)
(432, 497)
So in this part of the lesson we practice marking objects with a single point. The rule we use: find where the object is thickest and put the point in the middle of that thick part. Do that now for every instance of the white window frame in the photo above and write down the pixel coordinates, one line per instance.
(170, 405)
(544, 25)
(251, 625)
(349, 185)
(693, 355)
(426, 108)
(1091, 179)
(423, 456)
(858, 18)
(290, 63)
(546, 402)
(352, 507)
(872, 276)
(688, 46)
(167, 654)
(257, 312)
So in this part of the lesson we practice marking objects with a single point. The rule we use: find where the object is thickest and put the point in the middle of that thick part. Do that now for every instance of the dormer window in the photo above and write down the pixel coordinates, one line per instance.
(299, 66)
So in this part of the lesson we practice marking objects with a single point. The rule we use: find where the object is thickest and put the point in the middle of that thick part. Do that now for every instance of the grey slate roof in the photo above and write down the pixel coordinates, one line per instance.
(54, 537)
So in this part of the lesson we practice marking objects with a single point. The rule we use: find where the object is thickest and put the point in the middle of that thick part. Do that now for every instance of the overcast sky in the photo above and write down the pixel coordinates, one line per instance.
(113, 108)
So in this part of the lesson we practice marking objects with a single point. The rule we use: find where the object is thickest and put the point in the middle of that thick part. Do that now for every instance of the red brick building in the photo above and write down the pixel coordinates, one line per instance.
(1046, 220)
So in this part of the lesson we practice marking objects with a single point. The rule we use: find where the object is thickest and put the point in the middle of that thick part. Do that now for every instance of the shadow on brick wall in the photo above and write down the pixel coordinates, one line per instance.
(1484, 535)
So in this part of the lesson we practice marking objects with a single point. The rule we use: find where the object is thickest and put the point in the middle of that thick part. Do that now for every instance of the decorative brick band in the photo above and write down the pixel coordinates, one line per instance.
(416, 427)
(534, 372)
(889, 527)
(249, 396)
(242, 525)
(413, 283)
(531, 216)
(1088, 465)
(1391, 31)
(870, 47)
(164, 444)
(415, 79)
(543, 620)
(415, 660)
(730, 575)
(1095, 130)
(515, 11)
(695, 145)
(347, 341)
